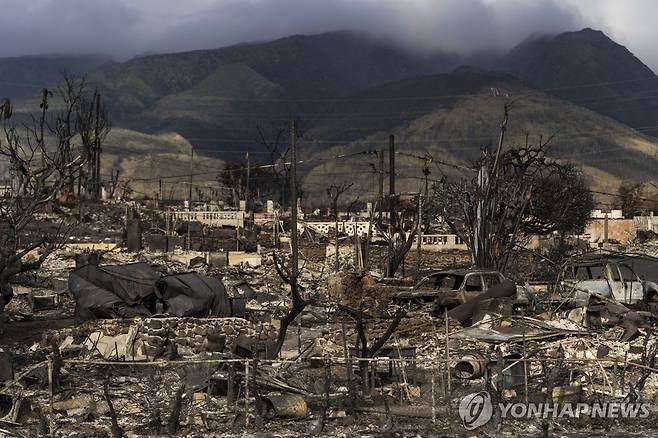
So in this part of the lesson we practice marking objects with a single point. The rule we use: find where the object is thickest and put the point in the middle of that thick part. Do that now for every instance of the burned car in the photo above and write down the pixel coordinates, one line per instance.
(449, 289)
(609, 279)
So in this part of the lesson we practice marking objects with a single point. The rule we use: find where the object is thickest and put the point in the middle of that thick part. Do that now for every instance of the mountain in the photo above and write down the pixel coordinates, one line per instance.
(590, 69)
(224, 93)
(217, 98)
(24, 76)
(351, 92)
(450, 116)
(143, 159)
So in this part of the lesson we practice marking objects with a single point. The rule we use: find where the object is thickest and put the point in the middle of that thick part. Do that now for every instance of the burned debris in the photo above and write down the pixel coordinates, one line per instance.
(154, 318)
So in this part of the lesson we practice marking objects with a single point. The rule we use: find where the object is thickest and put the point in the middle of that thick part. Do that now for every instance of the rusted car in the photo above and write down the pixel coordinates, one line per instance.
(607, 278)
(448, 289)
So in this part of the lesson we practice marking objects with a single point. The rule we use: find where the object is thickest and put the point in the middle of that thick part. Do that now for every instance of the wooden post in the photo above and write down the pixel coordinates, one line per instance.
(433, 399)
(246, 392)
(230, 391)
(247, 194)
(357, 248)
(294, 258)
(337, 261)
(445, 315)
(299, 339)
(189, 193)
(97, 151)
(380, 200)
(189, 199)
(366, 261)
(391, 200)
(420, 235)
(348, 366)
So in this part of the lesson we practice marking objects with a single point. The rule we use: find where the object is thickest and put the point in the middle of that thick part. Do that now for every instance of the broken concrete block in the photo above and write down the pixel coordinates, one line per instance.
(59, 284)
(43, 302)
(154, 324)
(236, 258)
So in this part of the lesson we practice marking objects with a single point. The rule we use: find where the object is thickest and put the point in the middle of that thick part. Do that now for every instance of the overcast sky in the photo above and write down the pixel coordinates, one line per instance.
(124, 28)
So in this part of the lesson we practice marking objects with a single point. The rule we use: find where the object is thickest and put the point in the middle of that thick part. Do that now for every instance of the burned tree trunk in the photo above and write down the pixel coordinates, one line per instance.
(514, 193)
(297, 306)
(43, 161)
(401, 246)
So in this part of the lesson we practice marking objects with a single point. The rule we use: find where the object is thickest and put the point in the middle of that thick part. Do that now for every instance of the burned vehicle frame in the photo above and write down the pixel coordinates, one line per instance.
(608, 278)
(451, 288)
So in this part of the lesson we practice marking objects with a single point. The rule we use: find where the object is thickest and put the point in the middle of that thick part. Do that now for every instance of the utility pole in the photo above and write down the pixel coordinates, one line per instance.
(189, 194)
(189, 199)
(391, 198)
(247, 194)
(482, 209)
(294, 261)
(391, 177)
(366, 262)
(337, 261)
(420, 234)
(381, 184)
(426, 172)
(97, 154)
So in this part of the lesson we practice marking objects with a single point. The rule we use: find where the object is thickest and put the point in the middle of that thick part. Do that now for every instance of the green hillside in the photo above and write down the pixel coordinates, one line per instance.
(225, 93)
(451, 115)
(323, 65)
(351, 92)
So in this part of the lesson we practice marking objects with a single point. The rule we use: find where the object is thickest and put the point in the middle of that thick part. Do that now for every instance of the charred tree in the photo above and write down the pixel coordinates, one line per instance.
(400, 243)
(290, 273)
(515, 193)
(44, 157)
(272, 141)
(93, 126)
(334, 193)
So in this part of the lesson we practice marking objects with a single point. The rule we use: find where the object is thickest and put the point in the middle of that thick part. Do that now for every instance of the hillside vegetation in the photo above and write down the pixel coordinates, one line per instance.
(462, 113)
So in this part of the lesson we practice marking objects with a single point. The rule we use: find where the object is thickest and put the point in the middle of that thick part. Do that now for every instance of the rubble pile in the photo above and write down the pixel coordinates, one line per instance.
(188, 342)
(154, 338)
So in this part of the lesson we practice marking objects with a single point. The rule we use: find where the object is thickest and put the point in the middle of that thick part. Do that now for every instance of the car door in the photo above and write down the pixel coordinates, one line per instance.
(472, 287)
(599, 281)
(490, 280)
(633, 290)
(617, 284)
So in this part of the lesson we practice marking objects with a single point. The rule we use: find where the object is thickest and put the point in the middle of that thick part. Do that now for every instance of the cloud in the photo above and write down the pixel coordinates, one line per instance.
(124, 28)
(451, 25)
(66, 26)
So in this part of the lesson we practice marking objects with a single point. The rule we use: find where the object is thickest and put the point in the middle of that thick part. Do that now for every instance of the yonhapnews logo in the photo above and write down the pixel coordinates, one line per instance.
(476, 409)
